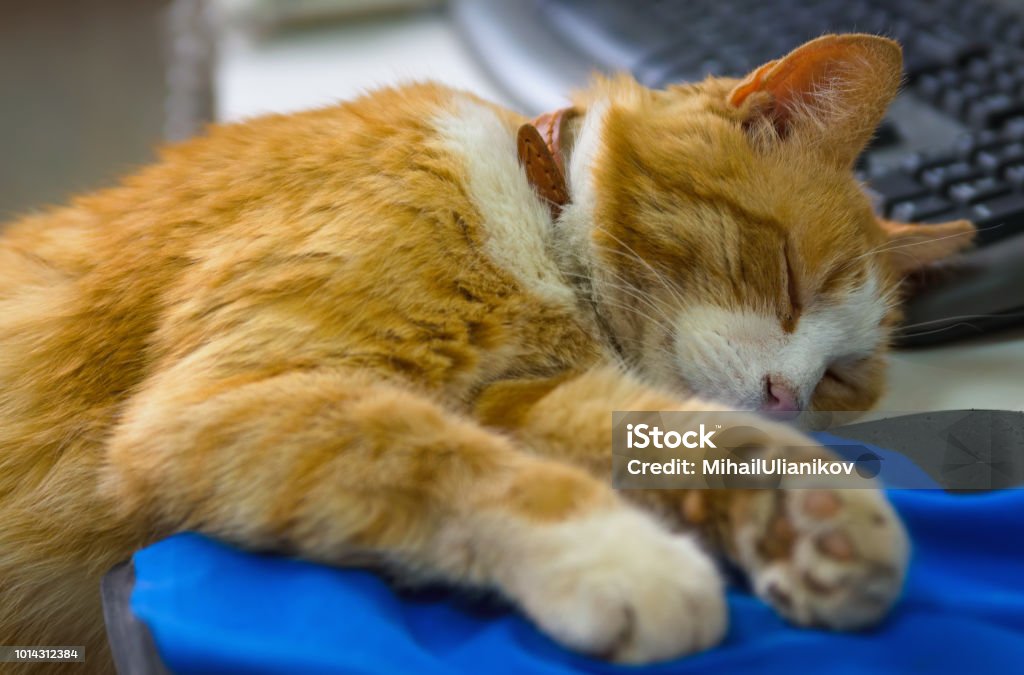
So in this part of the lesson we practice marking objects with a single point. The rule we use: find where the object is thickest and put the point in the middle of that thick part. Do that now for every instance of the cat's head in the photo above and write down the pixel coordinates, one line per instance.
(733, 253)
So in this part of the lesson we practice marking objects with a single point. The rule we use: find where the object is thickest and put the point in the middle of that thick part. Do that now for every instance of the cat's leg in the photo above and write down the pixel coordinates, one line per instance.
(833, 558)
(343, 468)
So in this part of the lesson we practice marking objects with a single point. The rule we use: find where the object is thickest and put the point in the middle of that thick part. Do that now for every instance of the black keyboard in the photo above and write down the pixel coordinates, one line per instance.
(951, 147)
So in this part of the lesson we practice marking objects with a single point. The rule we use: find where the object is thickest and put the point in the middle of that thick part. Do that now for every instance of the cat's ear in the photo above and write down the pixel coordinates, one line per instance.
(912, 246)
(830, 93)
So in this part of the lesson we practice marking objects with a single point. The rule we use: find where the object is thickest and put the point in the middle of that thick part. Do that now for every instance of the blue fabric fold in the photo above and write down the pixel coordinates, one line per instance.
(215, 609)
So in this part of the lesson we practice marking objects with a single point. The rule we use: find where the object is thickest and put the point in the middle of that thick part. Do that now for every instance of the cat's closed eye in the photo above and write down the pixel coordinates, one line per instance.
(836, 374)
(849, 383)
(793, 291)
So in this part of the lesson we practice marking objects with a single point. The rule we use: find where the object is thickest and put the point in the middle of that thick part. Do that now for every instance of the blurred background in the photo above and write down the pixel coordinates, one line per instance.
(88, 92)
(91, 87)
(84, 94)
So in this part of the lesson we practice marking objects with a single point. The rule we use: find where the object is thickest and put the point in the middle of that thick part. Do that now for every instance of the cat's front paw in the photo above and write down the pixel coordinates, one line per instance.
(829, 558)
(616, 585)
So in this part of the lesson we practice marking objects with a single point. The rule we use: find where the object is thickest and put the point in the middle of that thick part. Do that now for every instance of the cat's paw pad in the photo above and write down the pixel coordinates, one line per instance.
(829, 558)
(617, 586)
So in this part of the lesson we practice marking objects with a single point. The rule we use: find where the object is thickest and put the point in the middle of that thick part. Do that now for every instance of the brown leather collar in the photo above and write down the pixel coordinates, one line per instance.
(539, 144)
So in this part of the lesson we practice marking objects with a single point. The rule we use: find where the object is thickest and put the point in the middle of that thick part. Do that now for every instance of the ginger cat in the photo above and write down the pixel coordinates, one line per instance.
(371, 333)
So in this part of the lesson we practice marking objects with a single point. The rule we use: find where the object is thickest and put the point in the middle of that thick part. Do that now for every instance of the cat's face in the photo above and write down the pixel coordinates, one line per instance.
(733, 254)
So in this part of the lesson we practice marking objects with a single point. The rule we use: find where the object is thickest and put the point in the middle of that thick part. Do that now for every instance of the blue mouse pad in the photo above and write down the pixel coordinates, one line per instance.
(215, 609)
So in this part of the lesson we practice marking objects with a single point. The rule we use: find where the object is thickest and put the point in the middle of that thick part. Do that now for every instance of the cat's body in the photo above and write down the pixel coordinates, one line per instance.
(357, 334)
(81, 337)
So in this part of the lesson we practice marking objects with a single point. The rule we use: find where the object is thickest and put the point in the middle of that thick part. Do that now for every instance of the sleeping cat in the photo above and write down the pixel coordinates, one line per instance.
(385, 333)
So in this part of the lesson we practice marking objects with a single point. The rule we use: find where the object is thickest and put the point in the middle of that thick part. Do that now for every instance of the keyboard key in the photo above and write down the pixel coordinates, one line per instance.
(916, 63)
(955, 101)
(962, 213)
(1000, 57)
(892, 187)
(930, 86)
(1014, 175)
(1013, 127)
(978, 69)
(919, 209)
(999, 218)
(950, 77)
(901, 31)
(965, 48)
(1012, 153)
(1006, 82)
(1014, 34)
(973, 90)
(967, 144)
(990, 111)
(976, 190)
(930, 50)
(919, 162)
(994, 159)
(940, 177)
(987, 160)
(926, 52)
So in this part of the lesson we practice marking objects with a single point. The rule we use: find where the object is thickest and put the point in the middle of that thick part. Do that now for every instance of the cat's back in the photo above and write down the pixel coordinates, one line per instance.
(401, 189)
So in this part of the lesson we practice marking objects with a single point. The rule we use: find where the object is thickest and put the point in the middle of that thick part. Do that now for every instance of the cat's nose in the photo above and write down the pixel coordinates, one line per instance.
(779, 396)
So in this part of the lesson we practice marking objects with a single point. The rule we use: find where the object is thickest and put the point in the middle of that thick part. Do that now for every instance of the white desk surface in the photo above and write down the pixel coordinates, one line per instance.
(322, 65)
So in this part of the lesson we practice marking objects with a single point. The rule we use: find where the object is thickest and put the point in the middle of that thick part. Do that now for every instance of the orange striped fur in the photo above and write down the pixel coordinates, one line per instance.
(353, 334)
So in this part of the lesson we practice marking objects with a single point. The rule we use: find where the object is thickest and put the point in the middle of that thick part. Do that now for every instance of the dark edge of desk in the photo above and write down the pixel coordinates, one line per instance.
(131, 643)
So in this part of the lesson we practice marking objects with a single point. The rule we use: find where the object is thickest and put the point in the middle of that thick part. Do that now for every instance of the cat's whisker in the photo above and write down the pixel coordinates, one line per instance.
(672, 291)
(663, 280)
(637, 294)
(633, 309)
(957, 318)
(888, 247)
(632, 292)
(658, 274)
(959, 324)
